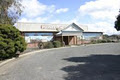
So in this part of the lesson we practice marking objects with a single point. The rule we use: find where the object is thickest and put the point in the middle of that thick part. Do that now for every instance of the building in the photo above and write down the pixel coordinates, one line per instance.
(70, 34)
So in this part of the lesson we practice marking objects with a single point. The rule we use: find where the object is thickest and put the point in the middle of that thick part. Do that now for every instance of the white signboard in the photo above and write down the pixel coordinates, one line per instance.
(52, 27)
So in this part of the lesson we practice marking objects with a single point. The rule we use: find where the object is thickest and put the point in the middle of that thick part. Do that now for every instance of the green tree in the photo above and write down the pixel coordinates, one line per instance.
(117, 23)
(10, 10)
(10, 41)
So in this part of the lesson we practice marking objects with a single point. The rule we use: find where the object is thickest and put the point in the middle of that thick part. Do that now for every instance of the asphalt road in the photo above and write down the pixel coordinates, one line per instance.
(94, 62)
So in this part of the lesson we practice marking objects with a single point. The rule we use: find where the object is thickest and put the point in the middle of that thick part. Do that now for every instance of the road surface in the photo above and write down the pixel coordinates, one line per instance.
(92, 62)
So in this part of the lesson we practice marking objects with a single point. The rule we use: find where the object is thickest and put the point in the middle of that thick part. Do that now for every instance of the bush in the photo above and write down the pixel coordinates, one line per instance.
(93, 41)
(11, 41)
(108, 40)
(48, 45)
(101, 41)
(57, 44)
(40, 45)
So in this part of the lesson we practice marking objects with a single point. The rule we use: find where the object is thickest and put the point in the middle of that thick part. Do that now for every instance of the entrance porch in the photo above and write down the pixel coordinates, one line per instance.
(68, 40)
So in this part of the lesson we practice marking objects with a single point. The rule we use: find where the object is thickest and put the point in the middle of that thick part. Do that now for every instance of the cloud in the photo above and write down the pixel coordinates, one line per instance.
(103, 27)
(33, 11)
(32, 8)
(38, 19)
(65, 22)
(61, 10)
(102, 14)
(101, 9)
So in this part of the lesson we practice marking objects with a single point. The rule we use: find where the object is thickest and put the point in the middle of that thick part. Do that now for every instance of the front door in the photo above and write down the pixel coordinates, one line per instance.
(65, 39)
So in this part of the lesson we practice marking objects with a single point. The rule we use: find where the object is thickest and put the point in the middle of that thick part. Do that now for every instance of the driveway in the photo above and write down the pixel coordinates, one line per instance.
(92, 62)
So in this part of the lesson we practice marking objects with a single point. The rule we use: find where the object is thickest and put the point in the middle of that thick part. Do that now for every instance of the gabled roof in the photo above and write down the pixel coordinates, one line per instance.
(73, 27)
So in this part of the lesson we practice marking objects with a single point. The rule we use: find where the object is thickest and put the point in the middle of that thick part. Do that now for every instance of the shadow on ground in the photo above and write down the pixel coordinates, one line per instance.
(95, 67)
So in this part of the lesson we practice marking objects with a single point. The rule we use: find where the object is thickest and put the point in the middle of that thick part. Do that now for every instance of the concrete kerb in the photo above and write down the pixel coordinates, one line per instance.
(29, 53)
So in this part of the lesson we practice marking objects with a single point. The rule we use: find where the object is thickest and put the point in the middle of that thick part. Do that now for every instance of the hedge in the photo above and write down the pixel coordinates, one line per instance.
(57, 44)
(48, 45)
(11, 41)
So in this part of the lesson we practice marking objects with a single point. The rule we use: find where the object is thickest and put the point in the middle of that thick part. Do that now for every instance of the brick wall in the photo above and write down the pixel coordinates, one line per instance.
(32, 45)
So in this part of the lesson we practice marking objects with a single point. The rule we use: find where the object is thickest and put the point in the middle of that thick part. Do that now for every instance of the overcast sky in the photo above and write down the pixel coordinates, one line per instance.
(98, 15)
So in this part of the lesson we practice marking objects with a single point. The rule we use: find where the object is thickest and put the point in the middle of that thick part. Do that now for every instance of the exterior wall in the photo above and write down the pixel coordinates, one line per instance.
(58, 38)
(69, 40)
(34, 37)
(92, 35)
(71, 33)
(32, 45)
(79, 39)
(85, 42)
(72, 40)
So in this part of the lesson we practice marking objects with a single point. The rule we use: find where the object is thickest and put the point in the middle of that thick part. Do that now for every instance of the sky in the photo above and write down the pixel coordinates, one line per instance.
(98, 15)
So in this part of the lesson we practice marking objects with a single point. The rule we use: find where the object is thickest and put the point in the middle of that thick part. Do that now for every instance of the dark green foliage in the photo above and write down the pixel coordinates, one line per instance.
(117, 23)
(11, 41)
(48, 45)
(57, 44)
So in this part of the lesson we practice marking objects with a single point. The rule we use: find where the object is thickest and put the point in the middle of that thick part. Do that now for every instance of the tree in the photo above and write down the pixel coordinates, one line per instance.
(117, 23)
(10, 10)
(10, 41)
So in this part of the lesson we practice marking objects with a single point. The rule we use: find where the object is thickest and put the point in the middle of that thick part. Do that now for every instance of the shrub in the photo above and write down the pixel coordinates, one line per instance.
(101, 41)
(93, 41)
(11, 41)
(40, 45)
(57, 44)
(48, 45)
(108, 40)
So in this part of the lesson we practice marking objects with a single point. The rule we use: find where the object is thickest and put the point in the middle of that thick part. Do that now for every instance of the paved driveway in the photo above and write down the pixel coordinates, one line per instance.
(95, 62)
